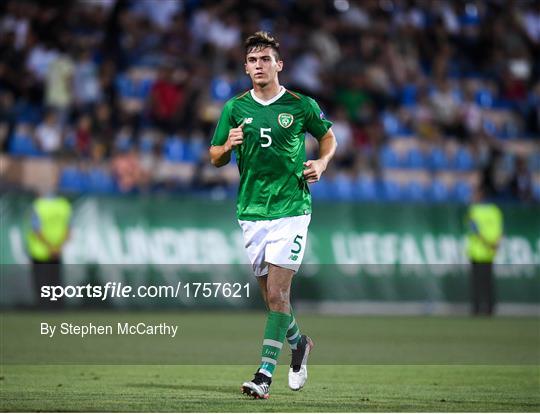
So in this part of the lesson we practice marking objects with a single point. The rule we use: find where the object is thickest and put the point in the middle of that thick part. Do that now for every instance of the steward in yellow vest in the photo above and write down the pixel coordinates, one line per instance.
(50, 229)
(485, 222)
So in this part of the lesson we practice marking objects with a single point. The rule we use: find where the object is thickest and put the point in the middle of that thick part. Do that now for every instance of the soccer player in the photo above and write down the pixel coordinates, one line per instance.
(265, 127)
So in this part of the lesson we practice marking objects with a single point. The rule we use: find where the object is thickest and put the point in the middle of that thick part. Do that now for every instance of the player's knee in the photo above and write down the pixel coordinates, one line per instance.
(278, 300)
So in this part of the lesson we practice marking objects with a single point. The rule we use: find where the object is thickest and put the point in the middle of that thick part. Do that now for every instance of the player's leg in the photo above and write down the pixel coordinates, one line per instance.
(276, 290)
(262, 280)
(288, 252)
(294, 337)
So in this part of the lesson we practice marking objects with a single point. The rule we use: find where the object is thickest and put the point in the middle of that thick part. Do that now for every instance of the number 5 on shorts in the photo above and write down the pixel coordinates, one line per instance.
(297, 243)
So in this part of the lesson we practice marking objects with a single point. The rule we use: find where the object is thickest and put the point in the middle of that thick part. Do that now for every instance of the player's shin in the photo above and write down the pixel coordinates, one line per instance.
(293, 332)
(277, 325)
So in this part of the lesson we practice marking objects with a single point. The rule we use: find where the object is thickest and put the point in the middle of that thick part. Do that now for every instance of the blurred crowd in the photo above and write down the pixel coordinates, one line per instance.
(129, 92)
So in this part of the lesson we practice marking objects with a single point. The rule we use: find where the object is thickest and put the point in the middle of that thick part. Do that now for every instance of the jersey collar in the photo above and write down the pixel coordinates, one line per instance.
(271, 100)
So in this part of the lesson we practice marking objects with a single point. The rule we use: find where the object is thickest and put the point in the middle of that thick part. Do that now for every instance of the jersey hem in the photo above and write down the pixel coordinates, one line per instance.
(253, 217)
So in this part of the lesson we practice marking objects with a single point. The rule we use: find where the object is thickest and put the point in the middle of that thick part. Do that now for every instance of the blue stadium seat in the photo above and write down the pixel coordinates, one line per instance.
(320, 190)
(221, 89)
(508, 163)
(534, 162)
(414, 191)
(27, 113)
(415, 159)
(463, 160)
(462, 192)
(438, 160)
(341, 188)
(390, 123)
(194, 150)
(389, 158)
(391, 191)
(409, 94)
(24, 145)
(123, 143)
(364, 189)
(536, 191)
(72, 180)
(101, 182)
(128, 87)
(174, 149)
(438, 191)
(146, 144)
(484, 98)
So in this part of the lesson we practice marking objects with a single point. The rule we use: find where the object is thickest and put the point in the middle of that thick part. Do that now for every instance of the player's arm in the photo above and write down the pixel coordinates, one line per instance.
(220, 155)
(327, 148)
(226, 136)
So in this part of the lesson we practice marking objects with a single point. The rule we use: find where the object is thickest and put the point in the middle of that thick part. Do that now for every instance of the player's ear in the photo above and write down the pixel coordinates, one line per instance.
(279, 65)
(246, 69)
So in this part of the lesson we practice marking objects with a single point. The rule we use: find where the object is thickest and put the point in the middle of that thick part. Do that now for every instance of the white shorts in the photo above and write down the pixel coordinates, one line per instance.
(281, 242)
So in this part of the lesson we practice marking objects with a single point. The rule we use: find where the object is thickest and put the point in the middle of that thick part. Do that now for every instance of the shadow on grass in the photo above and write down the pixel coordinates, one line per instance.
(188, 387)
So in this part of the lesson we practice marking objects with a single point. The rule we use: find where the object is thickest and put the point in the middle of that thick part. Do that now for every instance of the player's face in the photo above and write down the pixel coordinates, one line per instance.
(262, 66)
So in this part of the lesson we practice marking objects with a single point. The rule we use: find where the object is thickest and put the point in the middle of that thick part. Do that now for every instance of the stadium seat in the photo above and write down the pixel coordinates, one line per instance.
(390, 123)
(364, 189)
(129, 87)
(389, 158)
(484, 98)
(409, 94)
(463, 160)
(174, 149)
(391, 191)
(319, 190)
(72, 180)
(146, 144)
(534, 161)
(123, 142)
(24, 145)
(414, 191)
(221, 89)
(462, 192)
(438, 160)
(194, 150)
(438, 191)
(415, 159)
(101, 182)
(508, 163)
(536, 192)
(341, 188)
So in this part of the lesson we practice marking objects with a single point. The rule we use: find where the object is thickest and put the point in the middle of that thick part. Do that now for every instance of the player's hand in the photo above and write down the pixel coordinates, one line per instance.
(313, 170)
(236, 137)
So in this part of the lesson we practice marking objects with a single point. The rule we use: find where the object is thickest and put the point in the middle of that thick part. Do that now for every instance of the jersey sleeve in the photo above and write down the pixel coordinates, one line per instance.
(224, 125)
(316, 124)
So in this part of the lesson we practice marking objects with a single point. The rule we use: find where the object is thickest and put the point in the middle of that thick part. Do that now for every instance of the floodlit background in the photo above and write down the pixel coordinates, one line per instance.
(113, 103)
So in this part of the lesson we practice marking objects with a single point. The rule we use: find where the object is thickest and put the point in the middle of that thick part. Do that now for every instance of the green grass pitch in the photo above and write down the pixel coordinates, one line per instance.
(359, 364)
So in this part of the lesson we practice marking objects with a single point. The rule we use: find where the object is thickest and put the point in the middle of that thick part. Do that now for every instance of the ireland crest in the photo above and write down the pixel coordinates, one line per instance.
(285, 120)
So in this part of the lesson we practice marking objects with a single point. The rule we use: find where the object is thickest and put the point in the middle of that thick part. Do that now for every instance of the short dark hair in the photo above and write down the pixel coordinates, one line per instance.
(262, 40)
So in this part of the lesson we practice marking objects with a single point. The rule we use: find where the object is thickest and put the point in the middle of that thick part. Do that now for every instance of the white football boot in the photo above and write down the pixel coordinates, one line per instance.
(298, 371)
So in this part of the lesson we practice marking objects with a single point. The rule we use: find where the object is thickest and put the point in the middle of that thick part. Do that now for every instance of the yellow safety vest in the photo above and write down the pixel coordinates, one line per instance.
(488, 221)
(54, 215)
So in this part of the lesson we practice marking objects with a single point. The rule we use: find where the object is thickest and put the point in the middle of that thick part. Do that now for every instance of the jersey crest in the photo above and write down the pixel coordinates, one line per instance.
(285, 120)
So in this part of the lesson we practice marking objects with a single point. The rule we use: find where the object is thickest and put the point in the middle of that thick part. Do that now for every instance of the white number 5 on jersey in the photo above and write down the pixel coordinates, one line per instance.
(268, 137)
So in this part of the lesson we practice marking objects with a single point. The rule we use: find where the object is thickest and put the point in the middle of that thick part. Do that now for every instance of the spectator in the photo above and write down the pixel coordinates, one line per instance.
(86, 86)
(83, 136)
(521, 182)
(49, 134)
(167, 99)
(58, 90)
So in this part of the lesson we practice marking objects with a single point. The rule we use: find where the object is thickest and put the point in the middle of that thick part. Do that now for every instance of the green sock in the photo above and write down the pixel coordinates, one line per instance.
(293, 333)
(277, 324)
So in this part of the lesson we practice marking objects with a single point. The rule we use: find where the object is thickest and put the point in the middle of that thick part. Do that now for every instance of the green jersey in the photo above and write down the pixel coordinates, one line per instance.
(272, 155)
